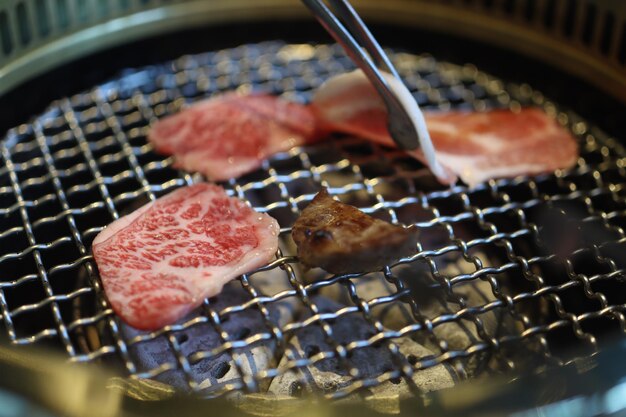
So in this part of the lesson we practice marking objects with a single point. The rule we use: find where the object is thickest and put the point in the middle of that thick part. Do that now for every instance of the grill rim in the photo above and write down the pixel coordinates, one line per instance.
(600, 61)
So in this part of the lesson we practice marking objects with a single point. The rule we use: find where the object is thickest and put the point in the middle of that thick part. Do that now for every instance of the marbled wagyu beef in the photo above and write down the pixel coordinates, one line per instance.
(159, 262)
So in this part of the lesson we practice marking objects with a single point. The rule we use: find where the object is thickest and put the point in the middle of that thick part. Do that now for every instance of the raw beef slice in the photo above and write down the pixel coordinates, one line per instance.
(159, 262)
(230, 135)
(498, 143)
(476, 146)
(348, 103)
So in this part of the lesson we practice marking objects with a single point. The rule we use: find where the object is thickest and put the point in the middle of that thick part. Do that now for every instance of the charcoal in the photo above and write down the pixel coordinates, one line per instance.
(213, 373)
(332, 374)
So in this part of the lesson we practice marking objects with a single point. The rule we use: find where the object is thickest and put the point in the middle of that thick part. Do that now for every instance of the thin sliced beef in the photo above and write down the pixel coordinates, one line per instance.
(480, 146)
(340, 238)
(476, 146)
(159, 262)
(348, 103)
(230, 135)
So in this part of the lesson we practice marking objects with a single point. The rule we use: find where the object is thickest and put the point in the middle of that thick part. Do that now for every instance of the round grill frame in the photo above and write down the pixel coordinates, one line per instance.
(586, 38)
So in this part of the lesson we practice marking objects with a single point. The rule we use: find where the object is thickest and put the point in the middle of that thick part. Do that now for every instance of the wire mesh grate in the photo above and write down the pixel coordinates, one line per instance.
(514, 274)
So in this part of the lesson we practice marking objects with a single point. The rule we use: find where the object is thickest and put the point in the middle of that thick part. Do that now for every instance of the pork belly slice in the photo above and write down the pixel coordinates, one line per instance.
(480, 146)
(340, 238)
(476, 146)
(161, 261)
(230, 135)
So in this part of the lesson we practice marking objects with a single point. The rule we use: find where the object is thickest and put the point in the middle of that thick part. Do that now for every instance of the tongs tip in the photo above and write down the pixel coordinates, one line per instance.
(406, 123)
(359, 43)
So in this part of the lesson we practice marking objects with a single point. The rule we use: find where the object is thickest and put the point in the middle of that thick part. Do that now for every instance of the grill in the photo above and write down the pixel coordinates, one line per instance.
(514, 275)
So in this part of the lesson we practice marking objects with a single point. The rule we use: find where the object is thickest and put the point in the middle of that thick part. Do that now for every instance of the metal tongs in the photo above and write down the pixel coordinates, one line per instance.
(366, 52)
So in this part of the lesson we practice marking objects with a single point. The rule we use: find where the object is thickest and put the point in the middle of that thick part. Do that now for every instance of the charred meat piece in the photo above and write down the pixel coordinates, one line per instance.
(340, 239)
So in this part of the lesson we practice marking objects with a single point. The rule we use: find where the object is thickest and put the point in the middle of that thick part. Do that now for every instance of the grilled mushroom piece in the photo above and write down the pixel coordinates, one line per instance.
(340, 239)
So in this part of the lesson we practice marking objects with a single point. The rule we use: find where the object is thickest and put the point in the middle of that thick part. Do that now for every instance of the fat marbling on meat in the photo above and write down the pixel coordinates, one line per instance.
(476, 146)
(229, 135)
(159, 262)
(340, 238)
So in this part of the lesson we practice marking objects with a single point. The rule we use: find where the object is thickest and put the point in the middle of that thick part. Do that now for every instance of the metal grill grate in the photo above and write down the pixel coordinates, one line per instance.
(491, 289)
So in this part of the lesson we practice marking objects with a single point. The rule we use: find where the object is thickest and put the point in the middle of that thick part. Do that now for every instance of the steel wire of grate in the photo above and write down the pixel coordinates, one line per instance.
(489, 289)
